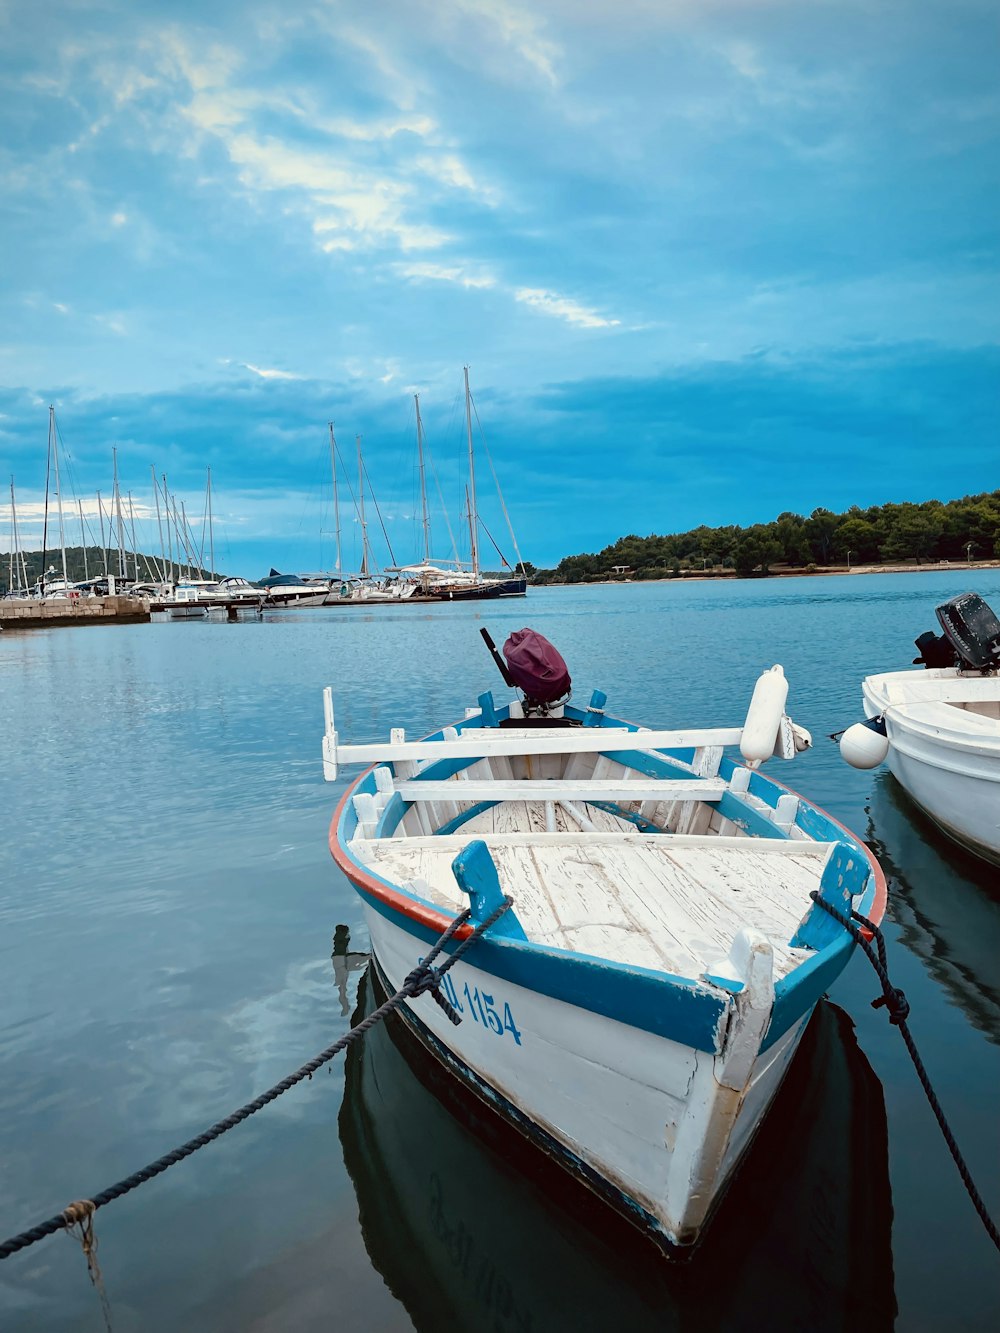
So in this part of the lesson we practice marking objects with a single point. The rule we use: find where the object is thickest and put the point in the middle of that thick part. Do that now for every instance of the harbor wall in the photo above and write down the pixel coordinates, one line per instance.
(32, 613)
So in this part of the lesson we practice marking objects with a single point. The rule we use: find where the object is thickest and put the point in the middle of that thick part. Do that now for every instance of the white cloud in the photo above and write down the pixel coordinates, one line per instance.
(562, 307)
(455, 273)
(520, 30)
(269, 374)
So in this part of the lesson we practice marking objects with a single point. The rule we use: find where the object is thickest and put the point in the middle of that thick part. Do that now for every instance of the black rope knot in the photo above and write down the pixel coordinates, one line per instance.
(425, 979)
(896, 1004)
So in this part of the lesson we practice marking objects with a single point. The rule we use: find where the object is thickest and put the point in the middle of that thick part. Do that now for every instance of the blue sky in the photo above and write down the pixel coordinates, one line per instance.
(708, 260)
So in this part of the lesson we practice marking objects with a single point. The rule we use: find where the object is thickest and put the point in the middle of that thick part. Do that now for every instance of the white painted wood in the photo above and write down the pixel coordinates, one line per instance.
(672, 904)
(636, 789)
(579, 816)
(367, 812)
(786, 811)
(754, 959)
(740, 780)
(453, 843)
(569, 740)
(707, 760)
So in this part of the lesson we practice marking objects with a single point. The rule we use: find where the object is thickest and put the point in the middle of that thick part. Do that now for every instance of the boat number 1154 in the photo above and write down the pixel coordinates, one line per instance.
(482, 1008)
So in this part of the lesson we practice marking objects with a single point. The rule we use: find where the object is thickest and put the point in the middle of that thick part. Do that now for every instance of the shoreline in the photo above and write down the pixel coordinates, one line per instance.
(821, 571)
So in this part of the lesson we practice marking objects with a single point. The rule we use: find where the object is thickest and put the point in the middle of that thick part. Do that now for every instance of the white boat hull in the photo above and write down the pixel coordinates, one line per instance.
(946, 759)
(636, 1115)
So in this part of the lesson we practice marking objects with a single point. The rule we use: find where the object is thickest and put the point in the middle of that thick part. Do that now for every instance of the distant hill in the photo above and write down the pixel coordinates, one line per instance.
(79, 568)
(953, 530)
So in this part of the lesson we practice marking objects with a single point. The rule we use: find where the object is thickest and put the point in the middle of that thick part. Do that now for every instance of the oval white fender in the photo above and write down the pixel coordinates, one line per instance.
(767, 707)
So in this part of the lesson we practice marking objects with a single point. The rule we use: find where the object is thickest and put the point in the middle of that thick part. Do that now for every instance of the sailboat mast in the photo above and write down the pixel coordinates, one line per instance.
(104, 547)
(336, 498)
(361, 511)
(188, 547)
(13, 539)
(211, 533)
(45, 522)
(55, 465)
(162, 572)
(117, 512)
(423, 482)
(473, 512)
(135, 543)
(20, 564)
(469, 518)
(170, 539)
(83, 542)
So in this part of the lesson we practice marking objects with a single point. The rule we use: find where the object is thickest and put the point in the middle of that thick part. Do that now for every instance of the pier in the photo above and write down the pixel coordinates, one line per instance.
(38, 613)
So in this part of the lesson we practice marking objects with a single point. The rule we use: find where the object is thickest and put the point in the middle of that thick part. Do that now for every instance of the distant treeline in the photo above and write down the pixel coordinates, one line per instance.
(79, 567)
(966, 529)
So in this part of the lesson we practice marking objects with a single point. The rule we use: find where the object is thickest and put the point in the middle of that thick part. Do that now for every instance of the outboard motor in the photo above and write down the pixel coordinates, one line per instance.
(536, 668)
(935, 651)
(973, 631)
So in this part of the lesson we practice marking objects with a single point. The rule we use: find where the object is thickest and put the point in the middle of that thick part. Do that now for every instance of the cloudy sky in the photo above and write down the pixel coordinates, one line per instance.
(707, 260)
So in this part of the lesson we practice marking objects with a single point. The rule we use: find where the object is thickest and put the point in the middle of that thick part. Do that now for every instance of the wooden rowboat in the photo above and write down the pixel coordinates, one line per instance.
(635, 1011)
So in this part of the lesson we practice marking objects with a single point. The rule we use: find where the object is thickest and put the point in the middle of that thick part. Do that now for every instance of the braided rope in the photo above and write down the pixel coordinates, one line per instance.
(421, 980)
(898, 1008)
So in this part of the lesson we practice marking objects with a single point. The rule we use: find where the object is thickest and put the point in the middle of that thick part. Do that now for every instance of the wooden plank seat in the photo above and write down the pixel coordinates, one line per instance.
(556, 789)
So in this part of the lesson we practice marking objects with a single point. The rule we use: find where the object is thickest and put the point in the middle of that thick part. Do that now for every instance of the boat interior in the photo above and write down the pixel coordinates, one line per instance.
(602, 860)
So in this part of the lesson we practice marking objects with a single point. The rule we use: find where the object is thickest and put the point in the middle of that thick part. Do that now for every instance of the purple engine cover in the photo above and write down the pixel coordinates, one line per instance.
(536, 667)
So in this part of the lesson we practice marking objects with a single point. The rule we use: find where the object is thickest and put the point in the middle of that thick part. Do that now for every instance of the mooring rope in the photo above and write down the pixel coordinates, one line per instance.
(423, 979)
(898, 1008)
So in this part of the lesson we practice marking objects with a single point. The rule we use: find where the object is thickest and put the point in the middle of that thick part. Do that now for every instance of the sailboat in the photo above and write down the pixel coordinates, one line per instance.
(458, 584)
(54, 586)
(367, 585)
(17, 570)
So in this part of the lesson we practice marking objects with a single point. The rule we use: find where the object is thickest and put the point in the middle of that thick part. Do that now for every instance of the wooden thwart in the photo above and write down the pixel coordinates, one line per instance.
(446, 842)
(557, 790)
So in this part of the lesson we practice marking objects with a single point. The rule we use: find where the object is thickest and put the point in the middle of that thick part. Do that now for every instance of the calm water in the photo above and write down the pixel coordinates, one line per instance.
(167, 913)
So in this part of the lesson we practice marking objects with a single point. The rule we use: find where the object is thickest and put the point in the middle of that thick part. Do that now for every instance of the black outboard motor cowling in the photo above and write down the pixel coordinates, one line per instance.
(973, 630)
(935, 651)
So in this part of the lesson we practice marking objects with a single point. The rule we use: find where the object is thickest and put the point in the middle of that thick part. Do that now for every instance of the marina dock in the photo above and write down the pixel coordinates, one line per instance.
(35, 612)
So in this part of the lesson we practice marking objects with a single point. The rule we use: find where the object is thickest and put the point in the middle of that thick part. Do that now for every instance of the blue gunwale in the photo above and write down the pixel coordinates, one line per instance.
(693, 1012)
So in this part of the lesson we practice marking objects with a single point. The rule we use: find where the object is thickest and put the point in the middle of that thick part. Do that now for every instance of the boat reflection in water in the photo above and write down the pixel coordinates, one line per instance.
(474, 1228)
(344, 963)
(945, 901)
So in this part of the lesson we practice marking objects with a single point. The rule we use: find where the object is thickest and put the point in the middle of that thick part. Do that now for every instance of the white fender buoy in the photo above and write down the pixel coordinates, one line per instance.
(865, 745)
(767, 707)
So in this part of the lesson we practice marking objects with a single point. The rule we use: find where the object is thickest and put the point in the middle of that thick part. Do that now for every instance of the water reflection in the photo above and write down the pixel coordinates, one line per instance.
(473, 1228)
(945, 901)
(344, 963)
